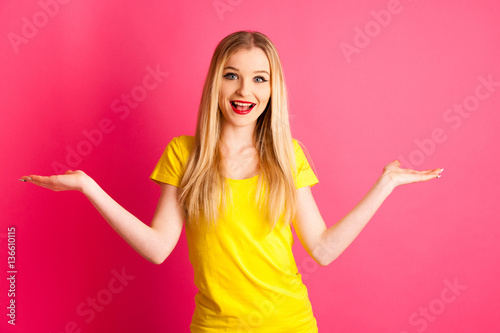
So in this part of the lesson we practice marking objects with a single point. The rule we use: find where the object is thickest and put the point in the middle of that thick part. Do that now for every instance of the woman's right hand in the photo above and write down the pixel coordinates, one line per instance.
(155, 242)
(70, 181)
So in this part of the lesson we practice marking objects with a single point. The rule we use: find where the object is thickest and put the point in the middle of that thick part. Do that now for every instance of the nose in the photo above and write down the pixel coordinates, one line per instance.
(244, 88)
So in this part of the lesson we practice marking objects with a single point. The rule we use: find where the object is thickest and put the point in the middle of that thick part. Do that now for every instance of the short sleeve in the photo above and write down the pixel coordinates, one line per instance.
(170, 168)
(305, 175)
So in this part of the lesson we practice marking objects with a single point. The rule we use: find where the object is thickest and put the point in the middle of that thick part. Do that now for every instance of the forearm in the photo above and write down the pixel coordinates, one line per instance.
(144, 239)
(338, 237)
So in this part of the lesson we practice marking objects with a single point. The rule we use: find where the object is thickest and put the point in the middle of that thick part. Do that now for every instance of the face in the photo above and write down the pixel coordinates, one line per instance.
(245, 87)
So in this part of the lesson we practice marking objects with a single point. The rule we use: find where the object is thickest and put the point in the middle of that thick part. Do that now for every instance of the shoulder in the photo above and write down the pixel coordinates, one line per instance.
(184, 142)
(296, 144)
(305, 174)
(298, 148)
(179, 149)
(171, 165)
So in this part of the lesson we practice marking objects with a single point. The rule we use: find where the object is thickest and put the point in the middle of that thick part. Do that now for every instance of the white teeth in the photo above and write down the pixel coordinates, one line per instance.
(242, 104)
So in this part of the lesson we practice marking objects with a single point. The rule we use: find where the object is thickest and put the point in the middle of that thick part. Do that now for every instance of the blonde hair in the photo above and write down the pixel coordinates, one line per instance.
(203, 189)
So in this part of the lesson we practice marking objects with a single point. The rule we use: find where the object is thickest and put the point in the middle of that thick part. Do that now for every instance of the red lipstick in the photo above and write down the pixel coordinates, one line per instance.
(242, 109)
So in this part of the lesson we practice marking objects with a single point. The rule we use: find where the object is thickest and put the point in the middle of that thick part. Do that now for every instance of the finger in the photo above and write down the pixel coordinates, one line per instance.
(432, 170)
(45, 182)
(414, 178)
(425, 172)
(425, 176)
(432, 176)
(39, 180)
(435, 172)
(26, 178)
(392, 165)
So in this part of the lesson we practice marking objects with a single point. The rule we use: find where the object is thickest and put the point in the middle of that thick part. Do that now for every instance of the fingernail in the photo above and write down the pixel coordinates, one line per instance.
(29, 178)
(438, 176)
(22, 180)
(441, 170)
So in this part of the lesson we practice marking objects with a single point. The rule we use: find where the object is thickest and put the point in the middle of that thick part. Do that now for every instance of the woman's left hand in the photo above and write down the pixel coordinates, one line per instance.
(398, 176)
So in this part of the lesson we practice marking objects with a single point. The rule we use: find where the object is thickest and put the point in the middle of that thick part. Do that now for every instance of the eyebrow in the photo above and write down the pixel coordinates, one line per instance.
(236, 69)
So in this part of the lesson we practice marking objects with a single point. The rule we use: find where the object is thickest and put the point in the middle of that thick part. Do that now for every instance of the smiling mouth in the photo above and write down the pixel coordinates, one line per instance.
(242, 107)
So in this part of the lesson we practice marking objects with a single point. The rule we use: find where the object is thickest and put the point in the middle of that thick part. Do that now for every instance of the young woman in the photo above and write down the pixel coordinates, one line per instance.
(238, 184)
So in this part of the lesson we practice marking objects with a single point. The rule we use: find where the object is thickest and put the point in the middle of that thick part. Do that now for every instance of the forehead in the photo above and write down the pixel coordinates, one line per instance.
(253, 59)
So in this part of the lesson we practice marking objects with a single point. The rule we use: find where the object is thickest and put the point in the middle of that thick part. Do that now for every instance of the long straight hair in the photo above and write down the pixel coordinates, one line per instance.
(204, 189)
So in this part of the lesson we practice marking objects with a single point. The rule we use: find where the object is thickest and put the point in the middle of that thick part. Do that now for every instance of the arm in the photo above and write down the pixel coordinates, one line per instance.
(326, 244)
(155, 242)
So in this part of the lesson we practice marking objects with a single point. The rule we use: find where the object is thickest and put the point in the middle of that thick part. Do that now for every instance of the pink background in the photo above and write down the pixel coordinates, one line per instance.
(355, 110)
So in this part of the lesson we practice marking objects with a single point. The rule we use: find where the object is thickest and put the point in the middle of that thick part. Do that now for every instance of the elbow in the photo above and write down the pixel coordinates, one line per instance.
(160, 253)
(158, 259)
(325, 252)
(324, 256)
(323, 261)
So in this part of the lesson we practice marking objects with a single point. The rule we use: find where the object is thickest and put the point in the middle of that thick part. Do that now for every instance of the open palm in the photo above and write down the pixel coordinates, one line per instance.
(399, 176)
(69, 181)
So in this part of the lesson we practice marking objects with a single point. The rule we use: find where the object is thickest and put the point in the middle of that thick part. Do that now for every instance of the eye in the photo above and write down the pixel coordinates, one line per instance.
(231, 76)
(260, 79)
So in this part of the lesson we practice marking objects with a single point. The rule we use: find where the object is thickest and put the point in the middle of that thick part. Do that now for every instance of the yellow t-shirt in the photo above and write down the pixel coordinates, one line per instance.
(247, 281)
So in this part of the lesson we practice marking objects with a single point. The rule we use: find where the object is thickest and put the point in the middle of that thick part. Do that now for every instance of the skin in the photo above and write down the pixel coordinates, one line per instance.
(246, 77)
(156, 242)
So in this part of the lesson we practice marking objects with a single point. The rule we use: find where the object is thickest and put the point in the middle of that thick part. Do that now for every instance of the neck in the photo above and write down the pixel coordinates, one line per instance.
(237, 138)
